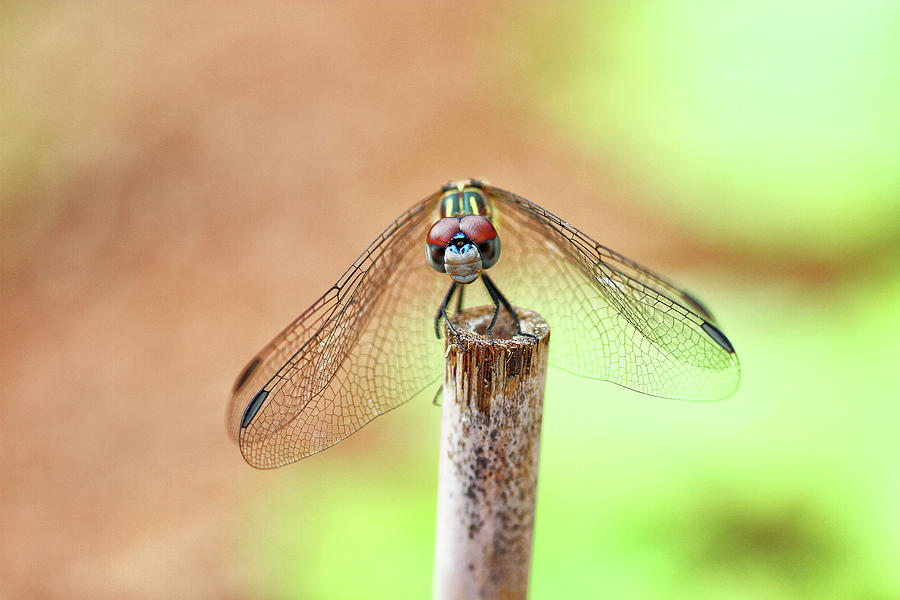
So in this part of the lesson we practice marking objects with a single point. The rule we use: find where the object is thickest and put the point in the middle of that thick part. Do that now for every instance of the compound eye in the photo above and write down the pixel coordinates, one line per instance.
(477, 228)
(482, 233)
(490, 252)
(435, 256)
(443, 231)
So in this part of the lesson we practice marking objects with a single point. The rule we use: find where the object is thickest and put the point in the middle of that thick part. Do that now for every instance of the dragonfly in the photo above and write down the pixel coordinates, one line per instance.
(368, 344)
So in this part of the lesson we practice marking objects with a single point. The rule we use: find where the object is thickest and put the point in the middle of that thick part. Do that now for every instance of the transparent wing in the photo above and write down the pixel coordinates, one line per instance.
(363, 348)
(610, 318)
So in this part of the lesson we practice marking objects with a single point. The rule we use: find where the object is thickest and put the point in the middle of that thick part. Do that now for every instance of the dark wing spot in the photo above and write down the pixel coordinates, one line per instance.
(697, 305)
(253, 407)
(245, 374)
(719, 337)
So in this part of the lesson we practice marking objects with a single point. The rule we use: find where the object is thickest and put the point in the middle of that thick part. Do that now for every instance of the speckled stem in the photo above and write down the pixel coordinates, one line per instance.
(490, 445)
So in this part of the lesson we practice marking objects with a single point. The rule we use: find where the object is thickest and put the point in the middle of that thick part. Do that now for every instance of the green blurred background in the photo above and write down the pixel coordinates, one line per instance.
(177, 182)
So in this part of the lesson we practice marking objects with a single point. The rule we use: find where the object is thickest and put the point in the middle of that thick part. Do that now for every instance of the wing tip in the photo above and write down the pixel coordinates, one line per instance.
(717, 336)
(253, 407)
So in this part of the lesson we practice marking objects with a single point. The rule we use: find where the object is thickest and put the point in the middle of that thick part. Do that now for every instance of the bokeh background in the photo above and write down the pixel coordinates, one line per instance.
(178, 181)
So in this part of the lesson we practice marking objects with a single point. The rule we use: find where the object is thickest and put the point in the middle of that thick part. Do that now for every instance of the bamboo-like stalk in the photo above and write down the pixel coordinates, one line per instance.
(490, 444)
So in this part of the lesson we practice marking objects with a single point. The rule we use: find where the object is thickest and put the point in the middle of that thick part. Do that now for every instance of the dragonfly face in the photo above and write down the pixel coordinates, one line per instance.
(463, 242)
(462, 247)
(367, 345)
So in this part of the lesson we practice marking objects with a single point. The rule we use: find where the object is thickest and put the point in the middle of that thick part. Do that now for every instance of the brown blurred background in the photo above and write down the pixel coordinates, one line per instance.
(181, 181)
(178, 182)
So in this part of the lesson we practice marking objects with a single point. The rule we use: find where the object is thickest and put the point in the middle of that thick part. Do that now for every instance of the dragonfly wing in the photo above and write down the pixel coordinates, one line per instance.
(611, 318)
(365, 347)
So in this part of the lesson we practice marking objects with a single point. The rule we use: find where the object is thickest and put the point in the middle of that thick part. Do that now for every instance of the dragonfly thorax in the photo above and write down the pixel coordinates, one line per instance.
(462, 198)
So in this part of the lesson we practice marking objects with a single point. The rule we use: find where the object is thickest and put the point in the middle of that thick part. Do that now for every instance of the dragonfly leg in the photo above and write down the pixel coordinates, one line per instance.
(436, 401)
(459, 298)
(493, 292)
(442, 312)
(496, 294)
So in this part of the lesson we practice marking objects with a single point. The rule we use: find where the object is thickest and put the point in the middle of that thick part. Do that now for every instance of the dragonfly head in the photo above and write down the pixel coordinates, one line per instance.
(462, 247)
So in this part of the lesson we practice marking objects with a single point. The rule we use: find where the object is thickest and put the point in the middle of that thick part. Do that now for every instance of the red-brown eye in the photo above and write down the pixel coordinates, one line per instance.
(435, 256)
(477, 228)
(443, 231)
(482, 233)
(490, 252)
